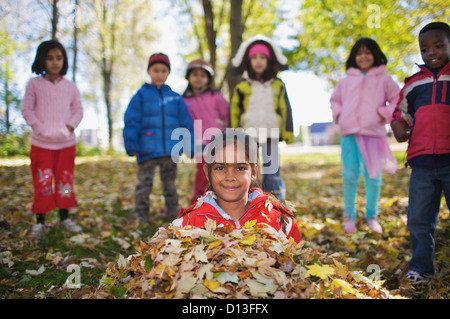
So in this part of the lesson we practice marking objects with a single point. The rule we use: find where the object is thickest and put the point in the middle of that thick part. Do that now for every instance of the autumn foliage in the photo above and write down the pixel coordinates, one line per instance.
(219, 262)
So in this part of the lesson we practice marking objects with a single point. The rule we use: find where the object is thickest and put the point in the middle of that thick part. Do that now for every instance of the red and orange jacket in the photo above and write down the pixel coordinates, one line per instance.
(424, 106)
(273, 215)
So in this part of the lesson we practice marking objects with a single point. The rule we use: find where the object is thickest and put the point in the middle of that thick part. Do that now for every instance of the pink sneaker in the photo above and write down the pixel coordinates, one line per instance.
(374, 225)
(349, 226)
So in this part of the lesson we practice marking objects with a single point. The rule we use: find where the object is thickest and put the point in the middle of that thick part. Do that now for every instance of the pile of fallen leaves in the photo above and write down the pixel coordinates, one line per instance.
(222, 262)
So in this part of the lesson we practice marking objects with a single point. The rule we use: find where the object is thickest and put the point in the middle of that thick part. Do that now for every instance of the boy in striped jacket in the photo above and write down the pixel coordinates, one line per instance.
(422, 117)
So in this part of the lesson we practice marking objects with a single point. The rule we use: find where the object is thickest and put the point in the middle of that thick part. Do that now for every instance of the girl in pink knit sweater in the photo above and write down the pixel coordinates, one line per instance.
(362, 104)
(52, 107)
(208, 108)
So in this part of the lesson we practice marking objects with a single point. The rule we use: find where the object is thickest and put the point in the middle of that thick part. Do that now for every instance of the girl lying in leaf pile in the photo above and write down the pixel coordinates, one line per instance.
(233, 197)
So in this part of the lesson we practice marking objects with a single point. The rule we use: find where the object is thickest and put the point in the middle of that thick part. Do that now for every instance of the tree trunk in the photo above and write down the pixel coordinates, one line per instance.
(7, 104)
(75, 41)
(55, 20)
(236, 29)
(108, 103)
(107, 71)
(210, 32)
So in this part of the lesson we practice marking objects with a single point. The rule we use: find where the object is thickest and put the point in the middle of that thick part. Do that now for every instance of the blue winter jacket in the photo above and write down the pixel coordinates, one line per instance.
(152, 115)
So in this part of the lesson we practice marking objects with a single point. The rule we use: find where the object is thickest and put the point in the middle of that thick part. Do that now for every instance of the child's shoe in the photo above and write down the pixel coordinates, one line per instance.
(374, 225)
(414, 277)
(139, 219)
(36, 231)
(349, 226)
(71, 226)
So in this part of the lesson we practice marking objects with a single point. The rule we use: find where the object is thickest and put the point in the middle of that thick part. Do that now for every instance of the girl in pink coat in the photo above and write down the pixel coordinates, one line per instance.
(362, 104)
(209, 112)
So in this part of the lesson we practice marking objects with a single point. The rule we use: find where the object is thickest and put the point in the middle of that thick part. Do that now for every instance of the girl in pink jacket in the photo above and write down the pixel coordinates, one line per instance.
(362, 104)
(52, 107)
(209, 112)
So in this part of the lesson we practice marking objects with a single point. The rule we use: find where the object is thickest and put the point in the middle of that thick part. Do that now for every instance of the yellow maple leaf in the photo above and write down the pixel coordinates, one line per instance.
(346, 287)
(248, 240)
(341, 269)
(211, 284)
(320, 271)
(214, 244)
(249, 224)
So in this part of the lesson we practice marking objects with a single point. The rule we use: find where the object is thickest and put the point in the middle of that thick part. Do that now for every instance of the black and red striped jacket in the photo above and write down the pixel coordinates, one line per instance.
(424, 107)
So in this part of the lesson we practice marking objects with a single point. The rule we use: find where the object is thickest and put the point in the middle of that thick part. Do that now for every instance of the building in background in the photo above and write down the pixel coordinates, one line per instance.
(326, 133)
(97, 138)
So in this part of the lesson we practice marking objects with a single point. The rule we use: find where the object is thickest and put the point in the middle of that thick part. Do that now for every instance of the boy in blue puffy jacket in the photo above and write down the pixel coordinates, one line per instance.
(153, 113)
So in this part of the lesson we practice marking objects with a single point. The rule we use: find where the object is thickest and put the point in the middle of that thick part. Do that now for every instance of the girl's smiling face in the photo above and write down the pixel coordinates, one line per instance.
(364, 59)
(258, 62)
(231, 175)
(54, 62)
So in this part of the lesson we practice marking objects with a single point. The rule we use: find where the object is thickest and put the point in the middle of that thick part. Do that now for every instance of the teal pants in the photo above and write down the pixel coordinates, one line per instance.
(353, 168)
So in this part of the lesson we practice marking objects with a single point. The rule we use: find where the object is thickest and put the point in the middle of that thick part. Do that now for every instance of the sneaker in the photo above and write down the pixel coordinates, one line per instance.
(349, 226)
(138, 219)
(71, 226)
(374, 225)
(414, 276)
(36, 231)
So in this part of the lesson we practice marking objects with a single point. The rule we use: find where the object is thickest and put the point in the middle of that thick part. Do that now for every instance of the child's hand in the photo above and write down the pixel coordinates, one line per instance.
(400, 131)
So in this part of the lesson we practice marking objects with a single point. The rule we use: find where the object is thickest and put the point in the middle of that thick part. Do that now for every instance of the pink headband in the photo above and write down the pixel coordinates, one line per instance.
(259, 48)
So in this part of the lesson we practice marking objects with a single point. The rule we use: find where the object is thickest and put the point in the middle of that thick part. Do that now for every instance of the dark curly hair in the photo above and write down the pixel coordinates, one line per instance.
(38, 66)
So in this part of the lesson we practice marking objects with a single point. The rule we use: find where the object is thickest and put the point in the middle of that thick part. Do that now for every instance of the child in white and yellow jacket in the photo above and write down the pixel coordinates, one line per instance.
(260, 105)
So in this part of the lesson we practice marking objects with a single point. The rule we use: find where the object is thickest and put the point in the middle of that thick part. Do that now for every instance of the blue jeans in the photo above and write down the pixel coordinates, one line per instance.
(272, 181)
(425, 192)
(353, 167)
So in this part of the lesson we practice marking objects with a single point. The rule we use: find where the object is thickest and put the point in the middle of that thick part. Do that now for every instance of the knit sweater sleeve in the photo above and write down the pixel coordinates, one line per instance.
(76, 108)
(28, 107)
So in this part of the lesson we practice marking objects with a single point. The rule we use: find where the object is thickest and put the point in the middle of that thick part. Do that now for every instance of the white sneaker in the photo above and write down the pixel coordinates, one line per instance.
(414, 276)
(71, 226)
(374, 225)
(349, 225)
(36, 231)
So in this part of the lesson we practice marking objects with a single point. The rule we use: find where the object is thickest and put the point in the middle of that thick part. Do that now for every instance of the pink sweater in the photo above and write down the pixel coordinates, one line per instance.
(212, 109)
(358, 101)
(48, 107)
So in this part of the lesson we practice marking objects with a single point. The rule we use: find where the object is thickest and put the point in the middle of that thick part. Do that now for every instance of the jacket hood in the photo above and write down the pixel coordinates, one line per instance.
(238, 58)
